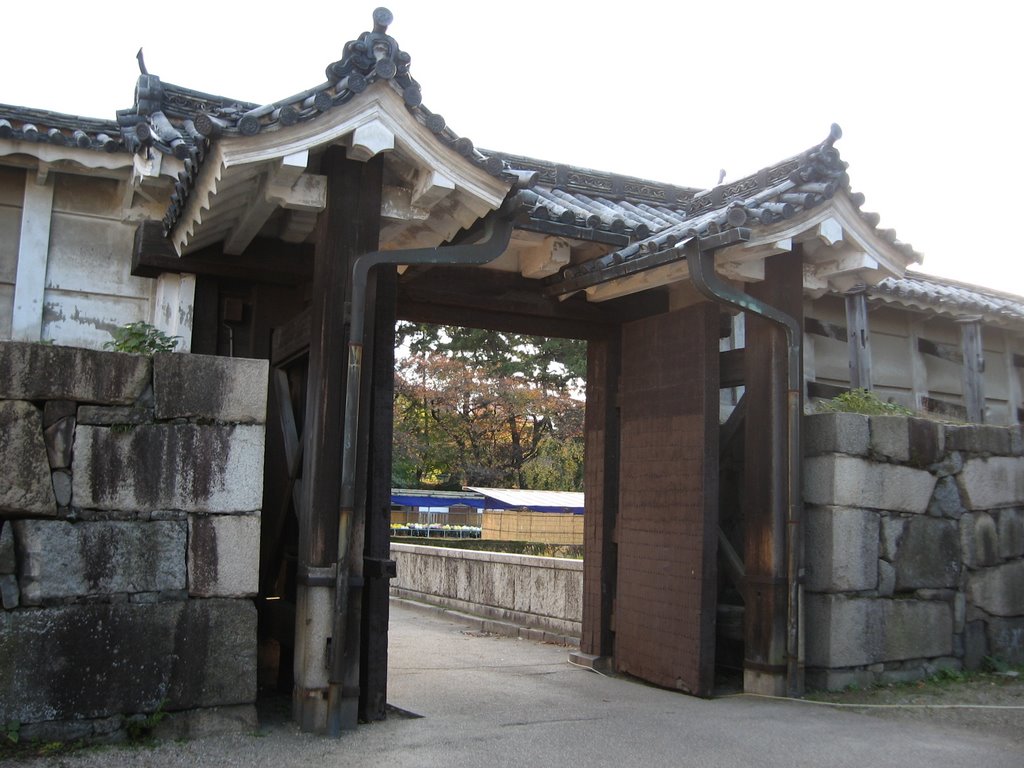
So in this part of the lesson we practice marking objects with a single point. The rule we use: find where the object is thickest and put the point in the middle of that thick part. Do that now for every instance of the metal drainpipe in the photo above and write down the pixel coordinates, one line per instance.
(497, 232)
(702, 273)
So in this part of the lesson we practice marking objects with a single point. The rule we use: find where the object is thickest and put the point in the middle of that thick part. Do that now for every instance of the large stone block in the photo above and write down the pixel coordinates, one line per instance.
(1006, 640)
(25, 485)
(842, 549)
(993, 483)
(978, 438)
(169, 466)
(890, 437)
(1011, 533)
(998, 591)
(928, 556)
(946, 499)
(979, 540)
(847, 481)
(223, 556)
(43, 372)
(849, 632)
(62, 559)
(975, 644)
(842, 632)
(915, 629)
(99, 660)
(219, 388)
(927, 442)
(836, 433)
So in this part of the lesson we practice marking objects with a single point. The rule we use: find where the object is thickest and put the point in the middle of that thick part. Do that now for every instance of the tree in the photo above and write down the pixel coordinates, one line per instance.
(479, 408)
(558, 363)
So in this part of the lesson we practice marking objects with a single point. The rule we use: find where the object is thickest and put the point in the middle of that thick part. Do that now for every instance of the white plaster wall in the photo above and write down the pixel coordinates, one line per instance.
(89, 290)
(89, 287)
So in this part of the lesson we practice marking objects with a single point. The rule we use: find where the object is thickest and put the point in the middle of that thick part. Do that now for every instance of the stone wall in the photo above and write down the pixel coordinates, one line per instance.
(535, 597)
(130, 494)
(914, 547)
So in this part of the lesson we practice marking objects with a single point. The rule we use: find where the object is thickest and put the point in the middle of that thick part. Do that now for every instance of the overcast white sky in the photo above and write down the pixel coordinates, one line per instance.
(928, 94)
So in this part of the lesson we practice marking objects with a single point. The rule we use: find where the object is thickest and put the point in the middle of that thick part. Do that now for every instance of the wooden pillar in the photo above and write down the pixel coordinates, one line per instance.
(764, 499)
(974, 367)
(33, 252)
(348, 227)
(918, 368)
(601, 497)
(858, 339)
(373, 657)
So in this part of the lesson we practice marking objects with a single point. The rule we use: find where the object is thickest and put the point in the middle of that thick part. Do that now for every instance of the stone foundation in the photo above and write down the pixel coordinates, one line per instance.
(130, 495)
(914, 548)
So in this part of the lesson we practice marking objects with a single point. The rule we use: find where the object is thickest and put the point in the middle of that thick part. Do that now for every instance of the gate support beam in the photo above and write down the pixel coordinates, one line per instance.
(766, 666)
(601, 483)
(348, 227)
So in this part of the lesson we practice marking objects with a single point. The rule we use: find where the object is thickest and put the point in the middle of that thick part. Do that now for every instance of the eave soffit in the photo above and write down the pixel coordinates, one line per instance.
(431, 178)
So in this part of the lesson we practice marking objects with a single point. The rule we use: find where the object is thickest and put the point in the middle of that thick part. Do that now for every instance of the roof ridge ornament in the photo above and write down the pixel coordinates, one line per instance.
(144, 125)
(376, 55)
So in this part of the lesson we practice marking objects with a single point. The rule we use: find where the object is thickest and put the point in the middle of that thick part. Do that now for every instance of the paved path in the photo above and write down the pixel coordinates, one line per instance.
(493, 701)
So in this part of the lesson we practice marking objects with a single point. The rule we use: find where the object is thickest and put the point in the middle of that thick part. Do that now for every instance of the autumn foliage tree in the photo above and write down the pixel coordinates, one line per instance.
(488, 409)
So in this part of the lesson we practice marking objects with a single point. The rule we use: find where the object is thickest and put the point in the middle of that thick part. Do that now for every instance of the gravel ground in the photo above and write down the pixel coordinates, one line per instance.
(989, 703)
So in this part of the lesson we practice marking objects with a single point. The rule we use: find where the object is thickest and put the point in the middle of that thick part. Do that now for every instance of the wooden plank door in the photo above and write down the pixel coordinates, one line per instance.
(664, 615)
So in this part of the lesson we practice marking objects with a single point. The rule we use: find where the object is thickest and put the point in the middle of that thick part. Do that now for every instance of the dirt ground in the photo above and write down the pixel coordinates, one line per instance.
(981, 703)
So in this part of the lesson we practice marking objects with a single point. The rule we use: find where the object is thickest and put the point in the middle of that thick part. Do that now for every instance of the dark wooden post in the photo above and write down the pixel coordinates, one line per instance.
(974, 367)
(764, 502)
(348, 227)
(373, 662)
(858, 339)
(601, 485)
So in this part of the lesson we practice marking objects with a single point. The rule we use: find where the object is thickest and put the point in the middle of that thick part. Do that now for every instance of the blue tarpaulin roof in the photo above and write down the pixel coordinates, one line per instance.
(493, 498)
(414, 498)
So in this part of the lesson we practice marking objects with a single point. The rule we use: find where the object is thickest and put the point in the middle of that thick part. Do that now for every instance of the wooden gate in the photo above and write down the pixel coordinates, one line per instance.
(666, 528)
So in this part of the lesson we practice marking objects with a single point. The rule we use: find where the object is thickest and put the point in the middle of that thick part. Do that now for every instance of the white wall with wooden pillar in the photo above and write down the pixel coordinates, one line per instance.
(33, 250)
(973, 368)
(858, 339)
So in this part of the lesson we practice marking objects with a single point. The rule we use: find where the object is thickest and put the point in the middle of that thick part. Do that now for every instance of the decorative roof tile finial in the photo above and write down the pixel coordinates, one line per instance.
(375, 55)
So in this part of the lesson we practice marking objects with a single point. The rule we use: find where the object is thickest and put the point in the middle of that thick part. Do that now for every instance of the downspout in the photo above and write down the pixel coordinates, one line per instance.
(497, 233)
(705, 280)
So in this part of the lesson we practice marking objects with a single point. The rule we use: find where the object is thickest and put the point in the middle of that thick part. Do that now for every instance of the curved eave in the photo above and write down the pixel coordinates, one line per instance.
(376, 121)
(1008, 320)
(842, 248)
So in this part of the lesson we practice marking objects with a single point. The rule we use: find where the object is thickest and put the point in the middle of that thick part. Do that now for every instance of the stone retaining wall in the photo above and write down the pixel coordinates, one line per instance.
(130, 494)
(535, 597)
(914, 547)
